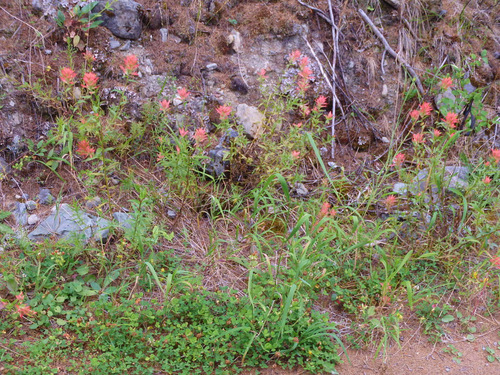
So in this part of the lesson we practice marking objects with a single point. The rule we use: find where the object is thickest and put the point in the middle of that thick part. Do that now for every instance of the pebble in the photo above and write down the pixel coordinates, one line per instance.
(113, 44)
(301, 189)
(385, 91)
(126, 46)
(171, 214)
(211, 66)
(33, 219)
(164, 35)
(30, 205)
(45, 197)
(93, 203)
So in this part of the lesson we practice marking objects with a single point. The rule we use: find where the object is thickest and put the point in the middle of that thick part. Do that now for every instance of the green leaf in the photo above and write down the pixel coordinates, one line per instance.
(82, 270)
(4, 215)
(447, 318)
(470, 338)
(61, 322)
(490, 358)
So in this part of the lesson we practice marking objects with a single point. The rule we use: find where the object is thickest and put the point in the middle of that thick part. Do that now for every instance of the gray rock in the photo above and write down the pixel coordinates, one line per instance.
(93, 203)
(31, 205)
(171, 214)
(211, 66)
(301, 190)
(454, 177)
(33, 219)
(164, 35)
(44, 196)
(469, 88)
(66, 222)
(251, 119)
(4, 166)
(444, 100)
(217, 165)
(126, 46)
(114, 44)
(123, 20)
(385, 90)
(125, 220)
(20, 213)
(234, 40)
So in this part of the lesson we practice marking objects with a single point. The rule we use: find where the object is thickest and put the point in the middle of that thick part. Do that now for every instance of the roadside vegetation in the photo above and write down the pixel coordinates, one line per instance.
(247, 270)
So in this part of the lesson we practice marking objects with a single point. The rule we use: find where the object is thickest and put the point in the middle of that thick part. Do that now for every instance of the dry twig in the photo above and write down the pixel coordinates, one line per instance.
(391, 51)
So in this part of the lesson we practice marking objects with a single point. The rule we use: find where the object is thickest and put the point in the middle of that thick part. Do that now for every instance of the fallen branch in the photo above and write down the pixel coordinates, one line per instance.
(392, 52)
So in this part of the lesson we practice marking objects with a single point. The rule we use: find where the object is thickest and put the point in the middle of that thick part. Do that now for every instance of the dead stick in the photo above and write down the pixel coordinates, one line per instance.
(335, 41)
(391, 51)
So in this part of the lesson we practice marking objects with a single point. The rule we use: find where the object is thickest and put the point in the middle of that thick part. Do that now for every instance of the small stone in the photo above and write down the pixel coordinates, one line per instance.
(385, 140)
(251, 119)
(31, 205)
(175, 38)
(77, 92)
(33, 219)
(124, 21)
(125, 220)
(234, 40)
(114, 44)
(400, 188)
(323, 151)
(164, 35)
(333, 165)
(211, 66)
(115, 181)
(171, 214)
(48, 52)
(301, 189)
(469, 88)
(44, 196)
(125, 46)
(20, 214)
(385, 91)
(93, 203)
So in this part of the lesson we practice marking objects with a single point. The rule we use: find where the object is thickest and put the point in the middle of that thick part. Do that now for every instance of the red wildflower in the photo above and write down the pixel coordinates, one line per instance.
(183, 132)
(305, 110)
(200, 135)
(451, 119)
(418, 138)
(390, 201)
(178, 149)
(399, 159)
(20, 297)
(425, 108)
(164, 105)
(159, 157)
(446, 83)
(306, 73)
(415, 114)
(23, 310)
(436, 133)
(487, 180)
(294, 56)
(495, 153)
(84, 149)
(324, 210)
(224, 111)
(68, 75)
(90, 80)
(130, 65)
(183, 93)
(495, 262)
(304, 61)
(298, 125)
(321, 101)
(329, 116)
(295, 154)
(262, 73)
